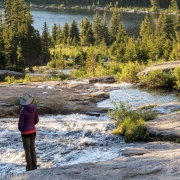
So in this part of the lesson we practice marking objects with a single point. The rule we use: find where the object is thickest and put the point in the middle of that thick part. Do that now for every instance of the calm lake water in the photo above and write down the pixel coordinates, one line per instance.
(131, 21)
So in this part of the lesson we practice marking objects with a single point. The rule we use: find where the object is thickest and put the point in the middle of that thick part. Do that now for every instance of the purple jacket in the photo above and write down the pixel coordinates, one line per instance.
(28, 118)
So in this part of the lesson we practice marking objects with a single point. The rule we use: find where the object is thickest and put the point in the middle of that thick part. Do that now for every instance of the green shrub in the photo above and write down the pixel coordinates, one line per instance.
(157, 78)
(101, 71)
(129, 72)
(78, 74)
(147, 115)
(130, 123)
(177, 77)
(15, 101)
(10, 79)
(120, 112)
(132, 130)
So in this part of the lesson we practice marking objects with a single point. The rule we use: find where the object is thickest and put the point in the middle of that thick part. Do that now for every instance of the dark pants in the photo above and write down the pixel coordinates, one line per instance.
(30, 153)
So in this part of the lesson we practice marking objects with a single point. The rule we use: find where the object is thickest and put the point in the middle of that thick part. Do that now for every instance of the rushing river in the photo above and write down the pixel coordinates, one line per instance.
(72, 139)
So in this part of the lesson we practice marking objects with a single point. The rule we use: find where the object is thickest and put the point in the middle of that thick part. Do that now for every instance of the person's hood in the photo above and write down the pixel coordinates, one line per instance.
(30, 108)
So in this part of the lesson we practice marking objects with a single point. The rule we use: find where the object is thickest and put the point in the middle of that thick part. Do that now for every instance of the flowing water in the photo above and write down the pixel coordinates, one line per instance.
(72, 139)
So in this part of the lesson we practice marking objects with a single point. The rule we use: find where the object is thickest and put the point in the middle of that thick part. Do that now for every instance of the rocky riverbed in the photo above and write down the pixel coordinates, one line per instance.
(147, 160)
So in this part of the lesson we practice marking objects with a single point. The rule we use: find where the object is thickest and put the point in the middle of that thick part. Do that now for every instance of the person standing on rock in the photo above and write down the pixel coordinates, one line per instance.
(28, 118)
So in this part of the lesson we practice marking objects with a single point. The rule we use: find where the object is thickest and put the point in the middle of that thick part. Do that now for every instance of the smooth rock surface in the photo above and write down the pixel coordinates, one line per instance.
(166, 67)
(148, 161)
(166, 126)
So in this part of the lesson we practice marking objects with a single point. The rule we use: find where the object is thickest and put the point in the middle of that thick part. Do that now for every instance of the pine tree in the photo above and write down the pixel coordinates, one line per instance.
(86, 32)
(164, 35)
(114, 23)
(45, 40)
(175, 54)
(65, 33)
(59, 35)
(105, 31)
(155, 5)
(54, 34)
(130, 50)
(18, 33)
(174, 6)
(165, 27)
(74, 32)
(146, 31)
(97, 29)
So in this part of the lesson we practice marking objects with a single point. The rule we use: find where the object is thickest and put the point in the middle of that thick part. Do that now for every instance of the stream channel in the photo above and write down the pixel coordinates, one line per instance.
(77, 138)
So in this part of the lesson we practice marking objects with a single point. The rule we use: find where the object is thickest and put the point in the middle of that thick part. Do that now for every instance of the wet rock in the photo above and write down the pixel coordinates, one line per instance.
(4, 73)
(86, 132)
(93, 114)
(162, 108)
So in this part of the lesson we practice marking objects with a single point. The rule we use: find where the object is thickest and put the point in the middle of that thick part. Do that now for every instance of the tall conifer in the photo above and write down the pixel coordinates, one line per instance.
(114, 23)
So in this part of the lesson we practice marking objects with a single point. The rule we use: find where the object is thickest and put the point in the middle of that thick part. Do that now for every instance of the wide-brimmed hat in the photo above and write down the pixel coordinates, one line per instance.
(26, 99)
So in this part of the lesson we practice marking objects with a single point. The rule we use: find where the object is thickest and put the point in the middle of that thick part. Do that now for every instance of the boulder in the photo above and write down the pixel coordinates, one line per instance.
(166, 127)
(104, 79)
(166, 67)
(4, 73)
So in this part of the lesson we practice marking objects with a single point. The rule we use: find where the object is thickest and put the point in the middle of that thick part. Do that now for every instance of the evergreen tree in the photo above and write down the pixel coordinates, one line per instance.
(45, 40)
(97, 29)
(18, 33)
(65, 33)
(114, 23)
(155, 5)
(174, 6)
(54, 34)
(120, 43)
(105, 31)
(175, 54)
(59, 35)
(164, 35)
(74, 32)
(146, 31)
(86, 33)
(130, 50)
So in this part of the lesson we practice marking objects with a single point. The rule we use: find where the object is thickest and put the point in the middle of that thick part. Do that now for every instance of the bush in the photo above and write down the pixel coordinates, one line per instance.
(132, 130)
(78, 74)
(177, 77)
(119, 113)
(10, 79)
(15, 101)
(157, 78)
(129, 72)
(130, 123)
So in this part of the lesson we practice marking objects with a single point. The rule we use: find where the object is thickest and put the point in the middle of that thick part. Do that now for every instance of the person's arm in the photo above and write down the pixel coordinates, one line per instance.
(36, 118)
(21, 121)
